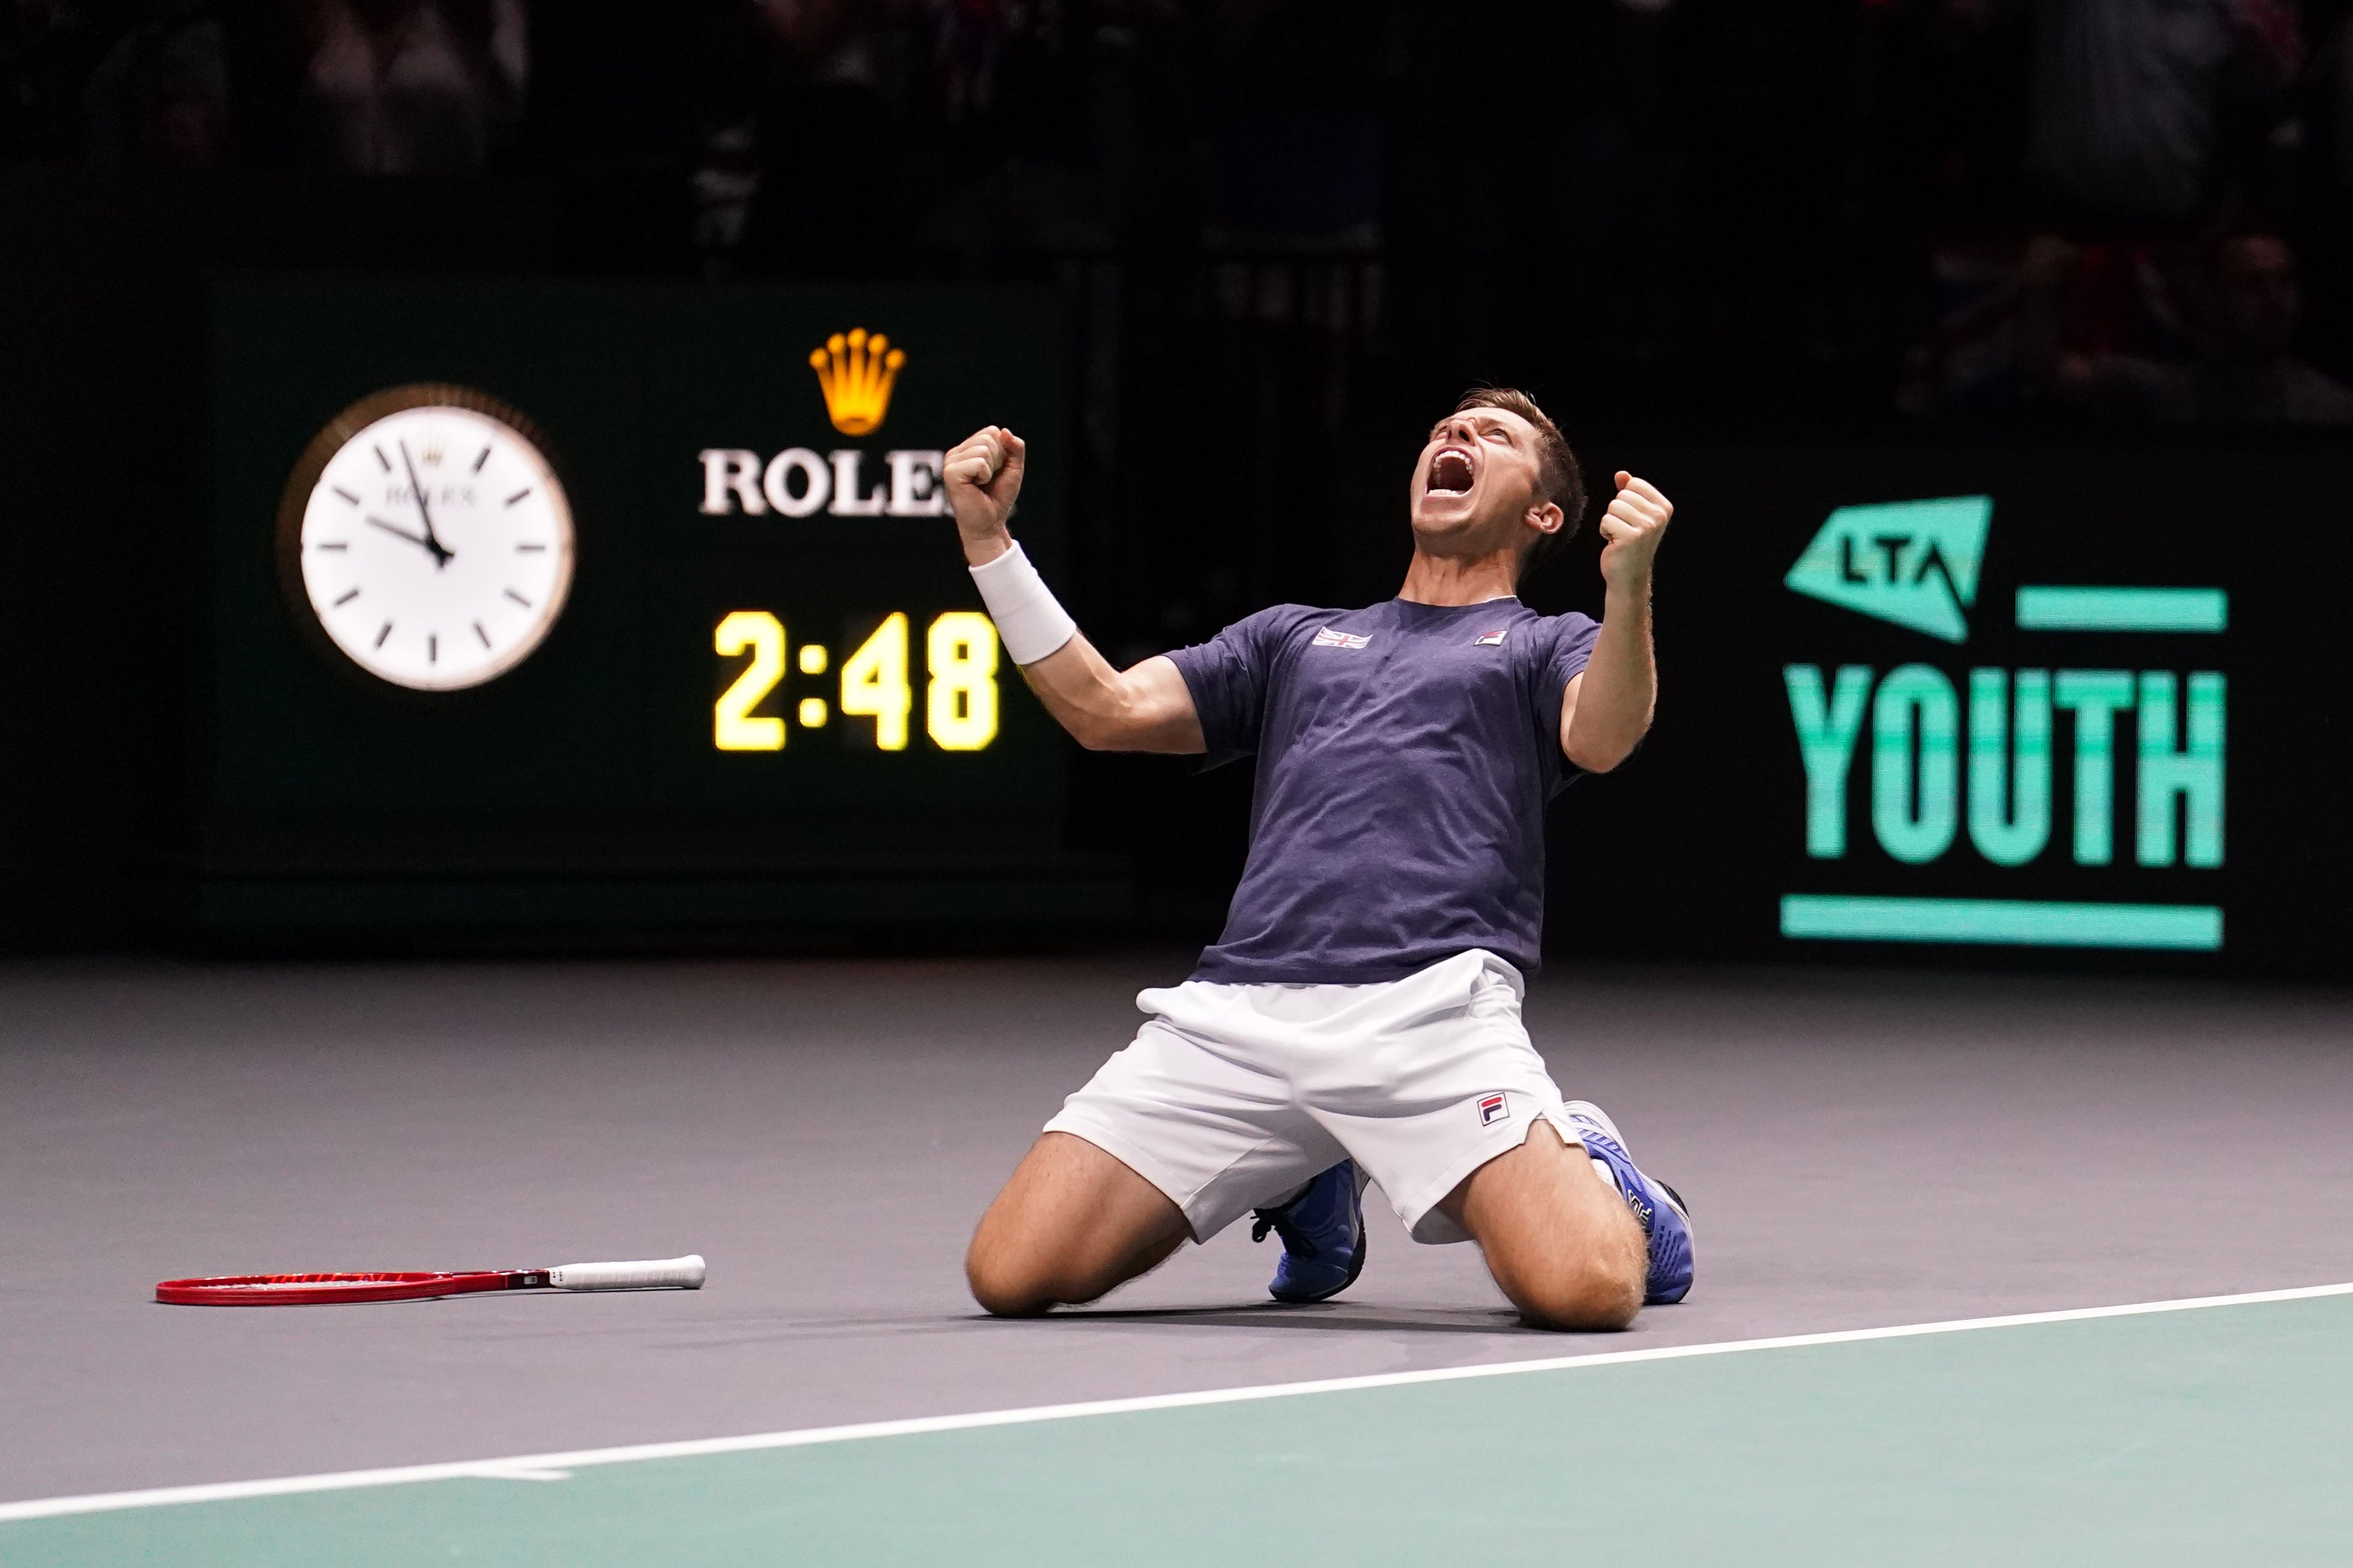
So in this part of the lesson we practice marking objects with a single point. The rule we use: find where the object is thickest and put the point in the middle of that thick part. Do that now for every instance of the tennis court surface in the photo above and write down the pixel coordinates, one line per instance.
(2119, 1205)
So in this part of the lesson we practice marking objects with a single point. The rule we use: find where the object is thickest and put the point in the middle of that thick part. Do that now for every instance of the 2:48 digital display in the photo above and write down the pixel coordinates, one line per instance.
(874, 684)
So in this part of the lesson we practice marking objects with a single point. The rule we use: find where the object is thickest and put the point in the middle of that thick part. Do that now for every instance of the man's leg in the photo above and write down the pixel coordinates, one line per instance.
(1072, 1223)
(1564, 1247)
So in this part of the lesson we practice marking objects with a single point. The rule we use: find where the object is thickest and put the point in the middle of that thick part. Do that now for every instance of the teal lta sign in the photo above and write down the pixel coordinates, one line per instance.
(2064, 761)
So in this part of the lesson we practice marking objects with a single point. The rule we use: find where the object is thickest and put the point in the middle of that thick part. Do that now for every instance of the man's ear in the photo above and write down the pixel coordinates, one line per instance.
(1547, 518)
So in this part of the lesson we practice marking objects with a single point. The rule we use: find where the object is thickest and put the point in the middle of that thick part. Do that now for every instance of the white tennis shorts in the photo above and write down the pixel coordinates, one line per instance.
(1231, 1097)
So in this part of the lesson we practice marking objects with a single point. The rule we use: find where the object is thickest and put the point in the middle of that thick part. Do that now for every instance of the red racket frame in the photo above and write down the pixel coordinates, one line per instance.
(318, 1290)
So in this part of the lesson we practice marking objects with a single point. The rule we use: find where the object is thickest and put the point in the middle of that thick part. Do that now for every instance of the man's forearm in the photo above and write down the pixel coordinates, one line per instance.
(1100, 706)
(1619, 687)
(1147, 709)
(1078, 686)
(1072, 681)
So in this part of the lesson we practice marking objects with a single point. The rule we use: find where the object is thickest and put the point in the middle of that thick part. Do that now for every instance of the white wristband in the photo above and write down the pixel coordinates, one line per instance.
(1029, 622)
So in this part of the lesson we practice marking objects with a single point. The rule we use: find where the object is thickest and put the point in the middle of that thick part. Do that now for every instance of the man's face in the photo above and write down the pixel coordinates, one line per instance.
(1477, 483)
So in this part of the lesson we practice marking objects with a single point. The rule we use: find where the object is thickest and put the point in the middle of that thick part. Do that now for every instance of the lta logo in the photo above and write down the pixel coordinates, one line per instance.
(1977, 753)
(856, 372)
(1913, 563)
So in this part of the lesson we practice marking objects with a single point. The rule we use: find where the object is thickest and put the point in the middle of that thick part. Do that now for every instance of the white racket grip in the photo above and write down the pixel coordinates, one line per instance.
(653, 1274)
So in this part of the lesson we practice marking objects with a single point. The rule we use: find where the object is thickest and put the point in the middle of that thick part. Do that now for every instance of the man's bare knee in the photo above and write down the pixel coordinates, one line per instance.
(1563, 1247)
(1593, 1284)
(1579, 1294)
(1008, 1265)
(1017, 1281)
(1003, 1288)
(1072, 1223)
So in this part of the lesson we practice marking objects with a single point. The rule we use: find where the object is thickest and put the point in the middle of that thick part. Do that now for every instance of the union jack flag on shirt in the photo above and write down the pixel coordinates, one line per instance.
(1327, 638)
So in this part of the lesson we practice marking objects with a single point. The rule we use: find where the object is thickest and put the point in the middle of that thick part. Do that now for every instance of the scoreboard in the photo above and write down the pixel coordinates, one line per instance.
(564, 608)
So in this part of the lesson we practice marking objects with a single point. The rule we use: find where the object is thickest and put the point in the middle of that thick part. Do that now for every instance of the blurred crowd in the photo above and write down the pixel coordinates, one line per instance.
(2126, 200)
(2106, 211)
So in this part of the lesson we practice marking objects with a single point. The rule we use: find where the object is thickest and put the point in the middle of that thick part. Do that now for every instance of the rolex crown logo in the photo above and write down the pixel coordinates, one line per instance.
(856, 372)
(434, 452)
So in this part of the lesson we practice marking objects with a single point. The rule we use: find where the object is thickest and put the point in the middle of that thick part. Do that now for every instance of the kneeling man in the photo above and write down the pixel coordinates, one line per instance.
(1359, 1019)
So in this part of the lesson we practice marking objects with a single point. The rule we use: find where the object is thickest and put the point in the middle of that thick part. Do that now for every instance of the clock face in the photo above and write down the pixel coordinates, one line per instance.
(435, 547)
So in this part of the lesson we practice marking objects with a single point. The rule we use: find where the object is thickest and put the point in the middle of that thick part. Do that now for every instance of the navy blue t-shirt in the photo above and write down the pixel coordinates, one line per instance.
(1405, 755)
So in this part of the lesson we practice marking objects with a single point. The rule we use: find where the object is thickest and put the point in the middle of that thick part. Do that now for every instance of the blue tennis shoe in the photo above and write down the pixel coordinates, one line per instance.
(1322, 1232)
(1659, 1206)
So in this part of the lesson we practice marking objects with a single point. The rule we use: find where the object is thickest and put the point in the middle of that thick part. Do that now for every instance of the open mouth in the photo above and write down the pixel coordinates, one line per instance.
(1450, 472)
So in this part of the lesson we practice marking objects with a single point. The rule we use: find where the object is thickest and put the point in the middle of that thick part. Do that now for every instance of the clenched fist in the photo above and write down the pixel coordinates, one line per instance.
(983, 478)
(1630, 531)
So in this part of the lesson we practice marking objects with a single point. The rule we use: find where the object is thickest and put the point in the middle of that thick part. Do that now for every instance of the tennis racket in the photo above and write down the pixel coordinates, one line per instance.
(313, 1290)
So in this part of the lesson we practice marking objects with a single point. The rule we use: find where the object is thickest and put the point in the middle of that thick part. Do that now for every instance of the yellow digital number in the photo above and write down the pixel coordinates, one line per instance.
(960, 707)
(733, 726)
(874, 682)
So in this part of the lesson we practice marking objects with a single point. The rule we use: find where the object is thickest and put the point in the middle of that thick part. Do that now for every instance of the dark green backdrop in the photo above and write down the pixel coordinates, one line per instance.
(582, 790)
(183, 768)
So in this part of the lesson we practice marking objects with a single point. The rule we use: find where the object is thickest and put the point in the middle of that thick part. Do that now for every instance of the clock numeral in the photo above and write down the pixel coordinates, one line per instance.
(529, 549)
(874, 682)
(481, 459)
(347, 495)
(734, 727)
(517, 495)
(482, 634)
(349, 594)
(517, 598)
(960, 705)
(383, 633)
(432, 648)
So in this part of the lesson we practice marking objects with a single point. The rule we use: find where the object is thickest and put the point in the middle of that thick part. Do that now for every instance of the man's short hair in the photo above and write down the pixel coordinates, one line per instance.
(1558, 479)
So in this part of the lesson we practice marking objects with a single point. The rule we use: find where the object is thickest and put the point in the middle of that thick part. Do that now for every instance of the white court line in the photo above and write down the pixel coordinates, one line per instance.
(553, 1467)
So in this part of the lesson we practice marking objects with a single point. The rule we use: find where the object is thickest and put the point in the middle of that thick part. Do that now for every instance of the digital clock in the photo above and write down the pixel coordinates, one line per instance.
(960, 701)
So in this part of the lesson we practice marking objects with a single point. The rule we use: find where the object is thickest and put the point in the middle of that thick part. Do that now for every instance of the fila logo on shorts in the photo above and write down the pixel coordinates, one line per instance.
(1327, 638)
(1493, 1107)
(1491, 639)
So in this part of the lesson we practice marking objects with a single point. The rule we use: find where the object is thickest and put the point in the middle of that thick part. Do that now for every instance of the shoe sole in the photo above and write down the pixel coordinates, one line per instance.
(1682, 1209)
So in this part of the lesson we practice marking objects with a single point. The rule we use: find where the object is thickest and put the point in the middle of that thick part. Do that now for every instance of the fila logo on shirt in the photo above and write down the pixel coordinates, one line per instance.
(1493, 1107)
(1491, 639)
(1327, 638)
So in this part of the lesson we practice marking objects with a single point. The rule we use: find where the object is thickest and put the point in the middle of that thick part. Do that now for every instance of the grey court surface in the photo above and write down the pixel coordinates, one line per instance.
(1860, 1150)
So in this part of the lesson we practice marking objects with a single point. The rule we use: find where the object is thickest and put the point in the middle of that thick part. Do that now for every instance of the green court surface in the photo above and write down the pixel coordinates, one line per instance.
(2219, 1434)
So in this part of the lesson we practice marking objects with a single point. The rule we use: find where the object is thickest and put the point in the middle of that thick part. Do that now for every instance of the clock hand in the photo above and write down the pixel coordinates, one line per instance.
(398, 532)
(432, 541)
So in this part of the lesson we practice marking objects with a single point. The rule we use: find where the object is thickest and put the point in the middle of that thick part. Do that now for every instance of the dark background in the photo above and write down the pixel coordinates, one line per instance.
(1779, 256)
(583, 791)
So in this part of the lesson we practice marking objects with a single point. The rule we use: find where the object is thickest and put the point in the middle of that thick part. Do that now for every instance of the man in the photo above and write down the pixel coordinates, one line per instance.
(1361, 1012)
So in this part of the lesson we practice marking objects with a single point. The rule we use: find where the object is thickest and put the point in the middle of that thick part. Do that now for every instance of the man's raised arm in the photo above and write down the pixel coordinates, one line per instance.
(1607, 710)
(1147, 709)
